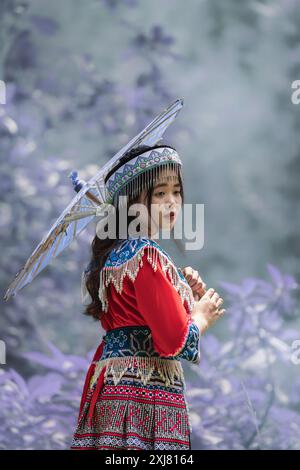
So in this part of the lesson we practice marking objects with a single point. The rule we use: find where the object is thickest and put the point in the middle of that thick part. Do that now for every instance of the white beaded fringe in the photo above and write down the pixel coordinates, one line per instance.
(131, 268)
(117, 366)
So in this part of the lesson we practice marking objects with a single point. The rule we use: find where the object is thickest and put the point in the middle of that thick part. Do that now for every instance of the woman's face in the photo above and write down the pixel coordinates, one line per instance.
(166, 201)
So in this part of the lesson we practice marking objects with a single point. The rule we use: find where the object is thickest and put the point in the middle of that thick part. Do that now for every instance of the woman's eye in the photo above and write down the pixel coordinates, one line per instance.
(161, 193)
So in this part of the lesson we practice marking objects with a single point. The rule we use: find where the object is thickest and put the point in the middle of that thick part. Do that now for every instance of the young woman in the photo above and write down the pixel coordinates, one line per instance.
(152, 313)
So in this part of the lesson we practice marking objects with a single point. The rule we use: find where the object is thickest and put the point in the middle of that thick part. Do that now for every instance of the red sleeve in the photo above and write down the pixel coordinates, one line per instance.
(162, 309)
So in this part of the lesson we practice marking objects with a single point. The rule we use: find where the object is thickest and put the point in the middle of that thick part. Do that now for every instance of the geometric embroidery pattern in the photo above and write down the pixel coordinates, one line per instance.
(137, 341)
(128, 342)
(131, 415)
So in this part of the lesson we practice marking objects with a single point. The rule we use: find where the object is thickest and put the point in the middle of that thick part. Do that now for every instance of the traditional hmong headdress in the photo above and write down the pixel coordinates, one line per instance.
(139, 168)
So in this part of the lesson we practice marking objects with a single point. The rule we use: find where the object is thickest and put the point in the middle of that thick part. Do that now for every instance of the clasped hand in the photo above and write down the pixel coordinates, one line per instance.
(195, 282)
(210, 300)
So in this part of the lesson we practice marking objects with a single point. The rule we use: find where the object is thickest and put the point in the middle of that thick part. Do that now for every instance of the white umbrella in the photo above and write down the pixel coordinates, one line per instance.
(87, 204)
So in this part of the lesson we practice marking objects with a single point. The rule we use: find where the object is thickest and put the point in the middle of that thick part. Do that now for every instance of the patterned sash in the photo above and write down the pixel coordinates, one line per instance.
(131, 347)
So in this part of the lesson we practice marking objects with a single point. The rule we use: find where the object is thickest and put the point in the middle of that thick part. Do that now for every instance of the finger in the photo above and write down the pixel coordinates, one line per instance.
(187, 270)
(202, 283)
(215, 297)
(193, 282)
(219, 302)
(221, 312)
(199, 289)
(198, 286)
(210, 292)
(197, 277)
(188, 275)
(194, 275)
(184, 271)
(193, 279)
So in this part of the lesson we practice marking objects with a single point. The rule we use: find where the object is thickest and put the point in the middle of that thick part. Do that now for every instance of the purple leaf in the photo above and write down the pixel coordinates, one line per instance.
(275, 274)
(44, 24)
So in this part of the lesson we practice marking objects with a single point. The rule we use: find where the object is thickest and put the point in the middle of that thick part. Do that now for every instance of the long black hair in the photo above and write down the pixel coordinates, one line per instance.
(101, 248)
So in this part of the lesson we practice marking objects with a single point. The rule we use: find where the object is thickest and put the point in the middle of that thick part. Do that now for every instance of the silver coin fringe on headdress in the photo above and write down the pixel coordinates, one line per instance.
(140, 172)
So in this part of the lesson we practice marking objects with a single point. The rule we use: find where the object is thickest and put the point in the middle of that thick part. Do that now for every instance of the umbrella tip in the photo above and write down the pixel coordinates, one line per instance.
(180, 100)
(77, 183)
(6, 296)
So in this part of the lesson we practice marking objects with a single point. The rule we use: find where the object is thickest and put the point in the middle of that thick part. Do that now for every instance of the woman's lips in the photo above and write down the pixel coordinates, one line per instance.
(171, 215)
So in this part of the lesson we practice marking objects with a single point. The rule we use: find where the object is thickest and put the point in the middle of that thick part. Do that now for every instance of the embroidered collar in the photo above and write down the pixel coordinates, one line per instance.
(125, 260)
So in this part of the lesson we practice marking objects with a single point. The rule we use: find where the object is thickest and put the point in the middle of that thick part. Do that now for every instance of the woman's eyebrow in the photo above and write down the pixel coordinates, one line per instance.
(165, 184)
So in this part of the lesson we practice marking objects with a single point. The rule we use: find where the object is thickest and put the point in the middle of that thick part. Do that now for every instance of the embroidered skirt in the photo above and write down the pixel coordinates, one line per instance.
(131, 415)
(133, 398)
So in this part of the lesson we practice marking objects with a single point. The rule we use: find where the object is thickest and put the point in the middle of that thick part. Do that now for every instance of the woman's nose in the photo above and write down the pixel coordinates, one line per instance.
(171, 199)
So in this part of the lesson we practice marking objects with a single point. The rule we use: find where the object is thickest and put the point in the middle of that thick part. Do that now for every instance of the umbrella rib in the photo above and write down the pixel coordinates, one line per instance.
(63, 229)
(14, 283)
(99, 190)
(26, 267)
(45, 247)
(79, 215)
(154, 125)
(91, 197)
(42, 257)
(76, 220)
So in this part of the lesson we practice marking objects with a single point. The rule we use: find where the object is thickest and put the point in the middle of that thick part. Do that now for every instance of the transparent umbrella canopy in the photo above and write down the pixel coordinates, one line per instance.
(88, 203)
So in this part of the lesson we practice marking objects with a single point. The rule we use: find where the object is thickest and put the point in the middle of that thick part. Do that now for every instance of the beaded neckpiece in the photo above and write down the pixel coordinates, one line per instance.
(126, 259)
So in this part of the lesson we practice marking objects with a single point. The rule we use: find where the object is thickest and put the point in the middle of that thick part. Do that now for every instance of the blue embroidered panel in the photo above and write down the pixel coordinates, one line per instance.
(129, 341)
(191, 350)
(128, 249)
(137, 341)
